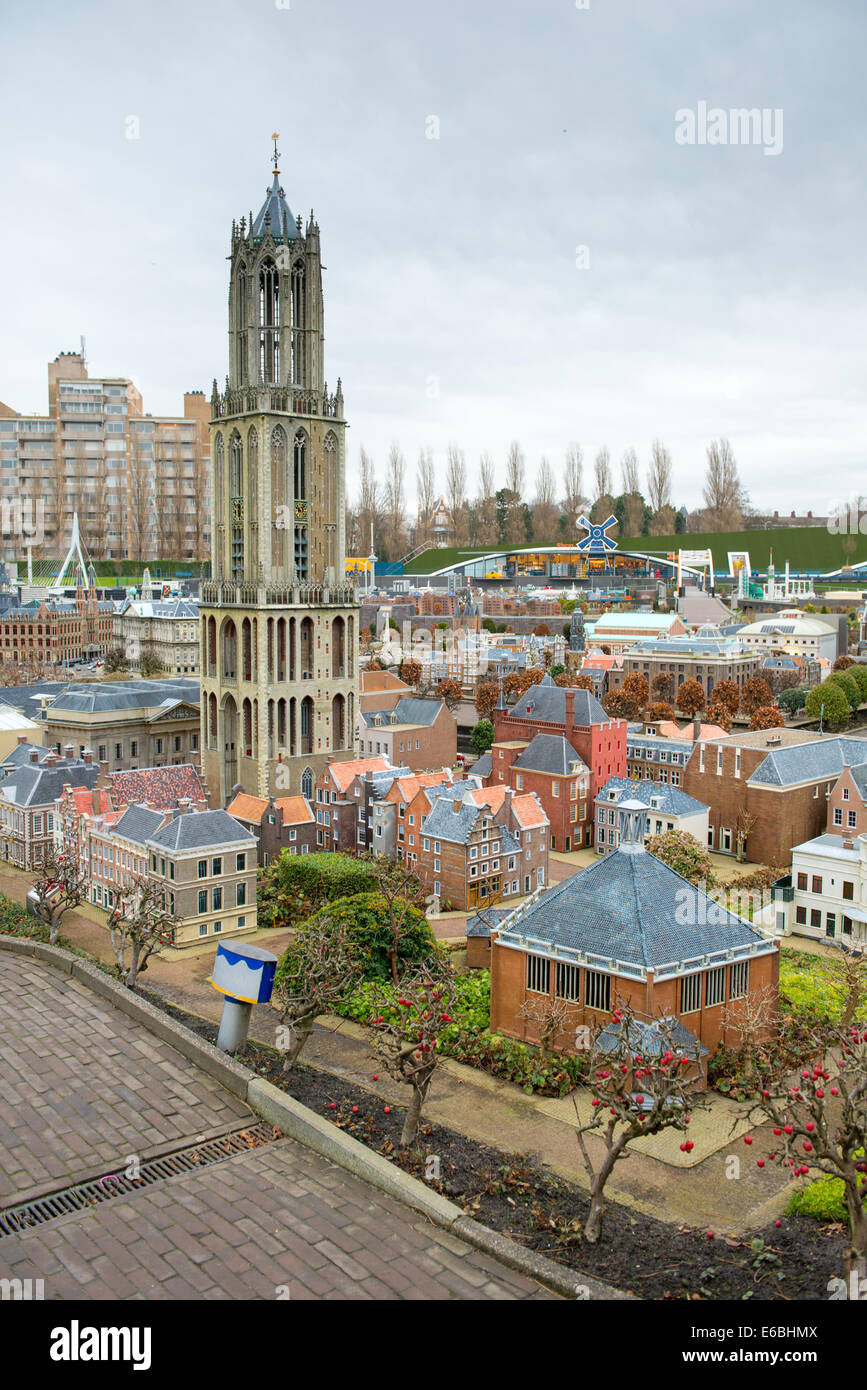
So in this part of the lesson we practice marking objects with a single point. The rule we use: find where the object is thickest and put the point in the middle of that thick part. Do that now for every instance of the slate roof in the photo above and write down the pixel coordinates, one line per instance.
(831, 846)
(859, 777)
(201, 830)
(481, 922)
(671, 800)
(407, 711)
(118, 695)
(545, 703)
(624, 910)
(551, 753)
(651, 1038)
(482, 766)
(38, 785)
(282, 224)
(443, 823)
(804, 762)
(138, 823)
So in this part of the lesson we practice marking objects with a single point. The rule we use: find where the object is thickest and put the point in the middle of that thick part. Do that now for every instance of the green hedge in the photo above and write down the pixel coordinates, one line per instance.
(470, 1040)
(294, 885)
(365, 916)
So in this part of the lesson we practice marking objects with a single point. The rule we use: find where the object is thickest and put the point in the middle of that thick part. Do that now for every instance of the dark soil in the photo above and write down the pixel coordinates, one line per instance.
(519, 1197)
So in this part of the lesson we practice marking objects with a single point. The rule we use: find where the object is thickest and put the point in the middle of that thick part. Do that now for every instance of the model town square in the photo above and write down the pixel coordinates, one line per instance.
(433, 672)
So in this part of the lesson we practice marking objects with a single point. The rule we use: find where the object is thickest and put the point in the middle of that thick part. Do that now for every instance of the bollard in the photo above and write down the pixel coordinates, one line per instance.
(244, 974)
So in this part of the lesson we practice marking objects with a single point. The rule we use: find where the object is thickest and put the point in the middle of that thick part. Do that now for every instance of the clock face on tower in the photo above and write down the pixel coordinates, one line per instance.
(300, 511)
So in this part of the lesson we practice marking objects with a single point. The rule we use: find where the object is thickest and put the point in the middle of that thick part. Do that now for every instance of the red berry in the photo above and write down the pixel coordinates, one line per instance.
(376, 1078)
(332, 1106)
(689, 1146)
(789, 1129)
(748, 1139)
(778, 1131)
(834, 1091)
(760, 1163)
(387, 1110)
(808, 1148)
(710, 1235)
(778, 1223)
(820, 1094)
(355, 1109)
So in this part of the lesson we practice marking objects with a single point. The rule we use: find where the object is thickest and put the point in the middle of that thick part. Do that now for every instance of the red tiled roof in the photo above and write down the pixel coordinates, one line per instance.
(252, 808)
(162, 787)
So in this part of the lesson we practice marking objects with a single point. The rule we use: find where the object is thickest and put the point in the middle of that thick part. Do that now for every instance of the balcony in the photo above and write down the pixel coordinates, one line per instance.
(228, 593)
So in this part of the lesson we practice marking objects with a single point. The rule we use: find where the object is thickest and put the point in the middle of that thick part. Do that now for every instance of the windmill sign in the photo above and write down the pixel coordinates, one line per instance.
(596, 542)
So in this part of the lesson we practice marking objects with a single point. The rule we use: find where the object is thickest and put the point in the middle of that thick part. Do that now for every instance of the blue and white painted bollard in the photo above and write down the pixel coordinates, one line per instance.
(245, 975)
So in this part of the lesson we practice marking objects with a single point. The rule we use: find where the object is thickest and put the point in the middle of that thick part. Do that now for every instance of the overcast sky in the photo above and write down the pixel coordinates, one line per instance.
(724, 292)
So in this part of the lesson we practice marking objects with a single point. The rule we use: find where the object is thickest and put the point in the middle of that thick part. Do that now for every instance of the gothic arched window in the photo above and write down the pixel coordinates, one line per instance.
(269, 324)
(302, 505)
(236, 503)
(278, 495)
(251, 492)
(298, 373)
(307, 783)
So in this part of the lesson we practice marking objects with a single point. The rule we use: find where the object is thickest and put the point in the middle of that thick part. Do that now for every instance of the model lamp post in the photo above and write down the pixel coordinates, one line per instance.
(245, 976)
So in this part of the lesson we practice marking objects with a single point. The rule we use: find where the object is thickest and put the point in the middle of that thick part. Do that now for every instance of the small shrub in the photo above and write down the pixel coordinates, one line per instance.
(365, 919)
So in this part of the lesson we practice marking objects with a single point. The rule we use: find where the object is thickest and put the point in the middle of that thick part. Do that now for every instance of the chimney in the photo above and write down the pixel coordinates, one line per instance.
(185, 805)
(570, 710)
(69, 751)
(96, 801)
(50, 759)
(22, 738)
(457, 804)
(696, 729)
(34, 755)
(848, 844)
(87, 756)
(103, 769)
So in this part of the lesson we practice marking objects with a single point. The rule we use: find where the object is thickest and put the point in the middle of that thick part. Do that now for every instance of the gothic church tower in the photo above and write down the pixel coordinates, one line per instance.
(279, 621)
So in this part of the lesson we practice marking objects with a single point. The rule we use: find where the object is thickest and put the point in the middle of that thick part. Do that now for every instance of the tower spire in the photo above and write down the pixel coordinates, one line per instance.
(275, 137)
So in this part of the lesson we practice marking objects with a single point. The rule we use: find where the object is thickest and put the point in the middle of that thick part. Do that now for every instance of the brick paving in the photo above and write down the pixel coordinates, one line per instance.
(83, 1085)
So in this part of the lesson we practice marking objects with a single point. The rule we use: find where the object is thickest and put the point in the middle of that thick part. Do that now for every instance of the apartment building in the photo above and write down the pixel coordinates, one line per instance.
(705, 660)
(284, 823)
(773, 784)
(478, 846)
(552, 769)
(56, 631)
(128, 724)
(668, 809)
(205, 862)
(419, 734)
(167, 629)
(29, 792)
(138, 482)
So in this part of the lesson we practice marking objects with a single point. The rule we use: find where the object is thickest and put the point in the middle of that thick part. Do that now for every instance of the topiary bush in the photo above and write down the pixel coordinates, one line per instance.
(822, 1199)
(365, 918)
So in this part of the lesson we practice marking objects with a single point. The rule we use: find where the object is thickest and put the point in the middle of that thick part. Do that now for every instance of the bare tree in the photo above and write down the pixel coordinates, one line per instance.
(369, 505)
(139, 925)
(602, 481)
(659, 477)
(574, 500)
(58, 887)
(641, 1083)
(629, 471)
(200, 500)
(427, 496)
(395, 505)
(515, 469)
(723, 495)
(603, 500)
(456, 493)
(548, 1015)
(486, 503)
(318, 969)
(407, 1035)
(822, 1123)
(755, 1020)
(140, 504)
(545, 505)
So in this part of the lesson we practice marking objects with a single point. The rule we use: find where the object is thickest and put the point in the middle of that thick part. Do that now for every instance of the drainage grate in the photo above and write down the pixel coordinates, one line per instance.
(68, 1200)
